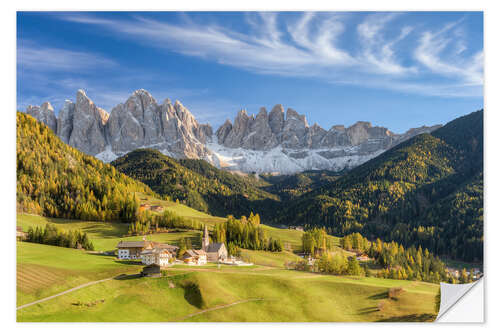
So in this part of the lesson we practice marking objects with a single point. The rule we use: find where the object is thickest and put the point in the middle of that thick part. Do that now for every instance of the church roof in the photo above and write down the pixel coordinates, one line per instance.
(214, 247)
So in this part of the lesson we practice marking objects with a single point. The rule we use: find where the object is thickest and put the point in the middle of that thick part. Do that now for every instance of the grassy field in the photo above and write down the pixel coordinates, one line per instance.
(240, 294)
(262, 292)
(265, 258)
(180, 209)
(104, 235)
(44, 270)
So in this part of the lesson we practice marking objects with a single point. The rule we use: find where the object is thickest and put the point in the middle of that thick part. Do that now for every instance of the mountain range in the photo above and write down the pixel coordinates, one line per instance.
(426, 191)
(276, 142)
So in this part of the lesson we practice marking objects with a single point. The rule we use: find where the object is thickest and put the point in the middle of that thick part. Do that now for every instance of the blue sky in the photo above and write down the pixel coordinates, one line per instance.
(398, 70)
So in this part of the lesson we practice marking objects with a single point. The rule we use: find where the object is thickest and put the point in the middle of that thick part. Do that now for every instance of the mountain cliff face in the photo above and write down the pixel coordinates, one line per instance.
(287, 144)
(264, 132)
(139, 122)
(44, 114)
(266, 143)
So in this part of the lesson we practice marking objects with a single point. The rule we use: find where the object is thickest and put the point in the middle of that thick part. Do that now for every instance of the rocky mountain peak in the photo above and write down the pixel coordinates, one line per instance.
(47, 107)
(262, 113)
(44, 114)
(266, 142)
(277, 119)
(223, 131)
(80, 94)
(138, 122)
(291, 131)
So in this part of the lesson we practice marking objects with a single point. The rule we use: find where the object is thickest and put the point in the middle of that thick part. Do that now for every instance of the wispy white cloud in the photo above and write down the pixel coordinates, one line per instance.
(377, 51)
(41, 58)
(312, 45)
(431, 50)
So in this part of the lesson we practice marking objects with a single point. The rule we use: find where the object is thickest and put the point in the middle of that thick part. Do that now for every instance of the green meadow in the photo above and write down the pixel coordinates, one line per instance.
(256, 293)
(265, 291)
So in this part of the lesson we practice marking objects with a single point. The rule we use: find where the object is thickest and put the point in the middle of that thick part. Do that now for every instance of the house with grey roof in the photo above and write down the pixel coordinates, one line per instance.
(134, 249)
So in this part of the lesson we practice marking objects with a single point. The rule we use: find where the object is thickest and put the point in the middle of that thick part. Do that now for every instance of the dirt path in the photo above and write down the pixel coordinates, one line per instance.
(222, 307)
(62, 293)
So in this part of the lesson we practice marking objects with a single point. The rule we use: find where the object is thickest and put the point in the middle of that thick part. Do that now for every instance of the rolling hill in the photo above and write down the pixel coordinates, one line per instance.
(206, 293)
(196, 183)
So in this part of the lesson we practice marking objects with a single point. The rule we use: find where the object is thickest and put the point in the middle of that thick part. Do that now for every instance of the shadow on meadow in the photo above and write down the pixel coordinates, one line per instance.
(425, 317)
(368, 310)
(127, 276)
(192, 294)
(382, 295)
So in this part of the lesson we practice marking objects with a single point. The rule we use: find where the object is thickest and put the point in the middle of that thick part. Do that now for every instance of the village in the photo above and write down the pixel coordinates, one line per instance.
(157, 256)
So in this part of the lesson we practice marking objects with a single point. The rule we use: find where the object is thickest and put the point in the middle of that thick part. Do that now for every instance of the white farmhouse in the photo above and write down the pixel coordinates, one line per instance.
(158, 256)
(132, 249)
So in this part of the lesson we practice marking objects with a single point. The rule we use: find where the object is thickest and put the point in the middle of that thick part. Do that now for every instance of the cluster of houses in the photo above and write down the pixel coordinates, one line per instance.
(152, 208)
(476, 273)
(154, 253)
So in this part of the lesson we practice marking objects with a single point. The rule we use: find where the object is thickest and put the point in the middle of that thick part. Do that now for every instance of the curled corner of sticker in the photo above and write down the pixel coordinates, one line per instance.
(452, 295)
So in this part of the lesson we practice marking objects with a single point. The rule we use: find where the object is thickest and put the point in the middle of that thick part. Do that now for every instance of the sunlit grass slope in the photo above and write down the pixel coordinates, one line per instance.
(249, 295)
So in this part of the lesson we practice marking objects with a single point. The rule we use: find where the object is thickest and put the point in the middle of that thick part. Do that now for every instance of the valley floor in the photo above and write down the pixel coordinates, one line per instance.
(262, 292)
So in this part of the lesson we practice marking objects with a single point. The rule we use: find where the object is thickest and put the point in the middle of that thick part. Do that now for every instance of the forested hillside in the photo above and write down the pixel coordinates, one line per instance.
(292, 186)
(196, 183)
(56, 180)
(426, 191)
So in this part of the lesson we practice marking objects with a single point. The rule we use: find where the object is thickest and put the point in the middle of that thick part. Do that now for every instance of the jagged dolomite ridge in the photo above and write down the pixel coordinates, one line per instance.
(267, 142)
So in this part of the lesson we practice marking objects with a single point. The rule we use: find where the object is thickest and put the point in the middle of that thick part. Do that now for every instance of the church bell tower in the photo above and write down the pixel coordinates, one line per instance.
(206, 239)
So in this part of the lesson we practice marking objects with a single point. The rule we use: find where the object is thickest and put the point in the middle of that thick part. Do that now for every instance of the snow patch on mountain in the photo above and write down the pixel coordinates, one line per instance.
(283, 161)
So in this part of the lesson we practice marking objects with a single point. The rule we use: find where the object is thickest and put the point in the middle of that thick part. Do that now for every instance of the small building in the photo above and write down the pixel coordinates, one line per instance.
(20, 234)
(296, 227)
(215, 251)
(157, 209)
(135, 249)
(132, 249)
(152, 270)
(195, 257)
(144, 207)
(363, 257)
(156, 256)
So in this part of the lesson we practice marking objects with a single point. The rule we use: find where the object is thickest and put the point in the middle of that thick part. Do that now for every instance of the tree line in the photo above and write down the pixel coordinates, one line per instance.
(246, 233)
(316, 241)
(146, 222)
(51, 235)
(335, 263)
(398, 262)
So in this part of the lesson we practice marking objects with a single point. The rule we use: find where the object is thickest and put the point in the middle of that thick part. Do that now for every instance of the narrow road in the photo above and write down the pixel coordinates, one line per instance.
(221, 307)
(62, 293)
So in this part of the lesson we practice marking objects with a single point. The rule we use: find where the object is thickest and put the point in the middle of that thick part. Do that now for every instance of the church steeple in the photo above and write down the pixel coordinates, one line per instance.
(206, 239)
